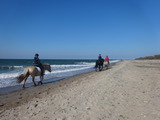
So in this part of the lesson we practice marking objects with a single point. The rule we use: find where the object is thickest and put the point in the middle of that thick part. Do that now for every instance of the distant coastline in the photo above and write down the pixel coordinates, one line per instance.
(149, 57)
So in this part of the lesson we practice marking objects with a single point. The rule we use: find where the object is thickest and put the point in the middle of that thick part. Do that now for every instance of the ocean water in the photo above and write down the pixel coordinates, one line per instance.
(11, 68)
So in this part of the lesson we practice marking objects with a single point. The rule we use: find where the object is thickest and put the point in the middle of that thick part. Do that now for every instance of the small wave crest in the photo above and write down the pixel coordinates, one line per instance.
(8, 75)
(85, 63)
(10, 67)
(114, 61)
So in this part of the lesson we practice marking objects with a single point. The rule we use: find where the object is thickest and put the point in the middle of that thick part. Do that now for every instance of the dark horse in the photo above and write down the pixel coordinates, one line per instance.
(99, 64)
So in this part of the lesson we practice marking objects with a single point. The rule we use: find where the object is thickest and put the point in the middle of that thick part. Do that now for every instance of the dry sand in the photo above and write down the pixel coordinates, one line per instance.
(130, 90)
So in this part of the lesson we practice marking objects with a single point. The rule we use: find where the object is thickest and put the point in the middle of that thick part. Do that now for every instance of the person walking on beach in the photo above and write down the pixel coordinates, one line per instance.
(38, 63)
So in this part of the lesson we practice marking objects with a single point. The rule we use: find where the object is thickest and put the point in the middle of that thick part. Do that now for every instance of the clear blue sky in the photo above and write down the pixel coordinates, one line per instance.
(79, 28)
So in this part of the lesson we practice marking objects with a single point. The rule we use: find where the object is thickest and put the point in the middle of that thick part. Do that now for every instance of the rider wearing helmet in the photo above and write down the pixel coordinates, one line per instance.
(38, 63)
(99, 57)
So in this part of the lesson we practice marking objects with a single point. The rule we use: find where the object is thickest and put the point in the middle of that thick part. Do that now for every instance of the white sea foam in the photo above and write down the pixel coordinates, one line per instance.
(114, 61)
(10, 67)
(8, 79)
(8, 75)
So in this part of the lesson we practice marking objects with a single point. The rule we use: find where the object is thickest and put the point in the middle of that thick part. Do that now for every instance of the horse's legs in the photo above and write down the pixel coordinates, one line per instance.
(24, 81)
(106, 66)
(33, 81)
(41, 78)
(96, 68)
(99, 68)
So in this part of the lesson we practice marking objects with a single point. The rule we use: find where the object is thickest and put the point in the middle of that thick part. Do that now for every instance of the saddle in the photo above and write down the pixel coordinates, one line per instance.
(39, 69)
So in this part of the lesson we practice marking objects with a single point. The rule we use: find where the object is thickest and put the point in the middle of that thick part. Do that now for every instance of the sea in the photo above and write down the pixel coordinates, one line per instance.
(61, 68)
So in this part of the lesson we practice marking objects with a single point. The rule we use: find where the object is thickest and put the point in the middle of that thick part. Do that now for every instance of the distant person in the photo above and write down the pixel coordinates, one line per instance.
(38, 63)
(107, 59)
(99, 57)
(99, 62)
(107, 62)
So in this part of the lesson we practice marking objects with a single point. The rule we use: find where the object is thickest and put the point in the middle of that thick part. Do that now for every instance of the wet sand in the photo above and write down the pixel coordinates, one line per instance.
(130, 90)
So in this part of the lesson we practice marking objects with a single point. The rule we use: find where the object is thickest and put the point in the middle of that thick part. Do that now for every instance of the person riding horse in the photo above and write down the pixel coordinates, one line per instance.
(107, 62)
(99, 62)
(38, 63)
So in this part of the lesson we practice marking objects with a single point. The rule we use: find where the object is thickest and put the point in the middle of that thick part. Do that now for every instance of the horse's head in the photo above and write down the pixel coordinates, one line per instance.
(47, 67)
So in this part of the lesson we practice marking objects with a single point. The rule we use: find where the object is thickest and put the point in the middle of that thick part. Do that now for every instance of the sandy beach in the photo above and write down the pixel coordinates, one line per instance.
(129, 90)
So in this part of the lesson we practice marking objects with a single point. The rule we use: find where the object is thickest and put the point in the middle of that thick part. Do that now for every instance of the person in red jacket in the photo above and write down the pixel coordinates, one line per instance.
(107, 60)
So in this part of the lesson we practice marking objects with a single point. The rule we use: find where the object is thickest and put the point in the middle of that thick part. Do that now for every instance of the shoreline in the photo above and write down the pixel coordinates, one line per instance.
(56, 83)
(38, 90)
(10, 89)
(129, 90)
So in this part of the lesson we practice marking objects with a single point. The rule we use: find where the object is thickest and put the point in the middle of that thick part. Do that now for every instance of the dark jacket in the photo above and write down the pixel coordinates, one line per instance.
(36, 61)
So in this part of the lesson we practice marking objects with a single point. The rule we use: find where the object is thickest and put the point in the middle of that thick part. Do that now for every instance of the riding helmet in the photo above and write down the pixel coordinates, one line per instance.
(36, 54)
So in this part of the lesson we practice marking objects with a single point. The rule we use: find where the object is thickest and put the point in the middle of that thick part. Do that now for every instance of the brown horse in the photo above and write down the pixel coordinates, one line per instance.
(106, 64)
(33, 71)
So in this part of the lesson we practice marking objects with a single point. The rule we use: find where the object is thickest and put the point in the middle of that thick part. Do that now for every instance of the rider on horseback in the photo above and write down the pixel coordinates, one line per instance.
(99, 57)
(38, 63)
(107, 59)
(99, 62)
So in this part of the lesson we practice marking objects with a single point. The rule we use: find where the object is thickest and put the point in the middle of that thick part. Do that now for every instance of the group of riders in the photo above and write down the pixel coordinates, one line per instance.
(36, 72)
(99, 62)
(102, 62)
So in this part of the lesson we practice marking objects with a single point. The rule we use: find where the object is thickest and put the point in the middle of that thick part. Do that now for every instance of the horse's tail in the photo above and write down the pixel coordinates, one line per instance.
(21, 77)
(96, 65)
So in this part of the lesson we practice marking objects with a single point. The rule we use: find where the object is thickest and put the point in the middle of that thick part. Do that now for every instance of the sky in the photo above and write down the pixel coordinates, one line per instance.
(79, 29)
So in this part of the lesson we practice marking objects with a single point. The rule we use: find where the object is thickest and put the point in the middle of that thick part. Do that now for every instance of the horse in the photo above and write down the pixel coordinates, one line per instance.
(99, 64)
(106, 63)
(33, 71)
